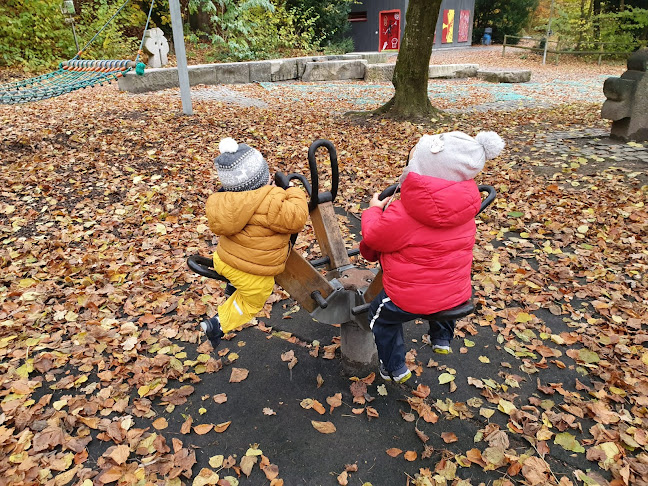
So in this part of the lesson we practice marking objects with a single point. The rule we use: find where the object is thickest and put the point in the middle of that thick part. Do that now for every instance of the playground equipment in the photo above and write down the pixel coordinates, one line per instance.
(75, 73)
(343, 294)
(626, 102)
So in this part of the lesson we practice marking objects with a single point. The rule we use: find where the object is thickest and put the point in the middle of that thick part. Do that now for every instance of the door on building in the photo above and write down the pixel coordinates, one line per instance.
(389, 30)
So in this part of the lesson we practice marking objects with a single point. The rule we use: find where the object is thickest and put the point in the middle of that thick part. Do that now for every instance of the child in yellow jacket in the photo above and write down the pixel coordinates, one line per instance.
(254, 220)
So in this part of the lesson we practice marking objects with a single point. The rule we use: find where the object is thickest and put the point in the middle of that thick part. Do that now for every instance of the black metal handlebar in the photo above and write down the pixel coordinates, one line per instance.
(482, 188)
(328, 196)
(282, 180)
(204, 266)
(489, 199)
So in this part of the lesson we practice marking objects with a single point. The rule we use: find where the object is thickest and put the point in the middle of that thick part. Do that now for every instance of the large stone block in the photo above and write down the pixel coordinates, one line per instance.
(504, 75)
(451, 71)
(158, 79)
(374, 57)
(260, 71)
(283, 69)
(153, 80)
(334, 70)
(379, 73)
(231, 73)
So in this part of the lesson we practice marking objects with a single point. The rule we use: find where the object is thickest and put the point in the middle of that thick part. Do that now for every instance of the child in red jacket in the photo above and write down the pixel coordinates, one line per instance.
(424, 242)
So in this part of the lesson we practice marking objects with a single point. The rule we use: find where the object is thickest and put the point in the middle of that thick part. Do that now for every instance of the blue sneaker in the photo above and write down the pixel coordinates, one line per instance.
(212, 328)
(401, 377)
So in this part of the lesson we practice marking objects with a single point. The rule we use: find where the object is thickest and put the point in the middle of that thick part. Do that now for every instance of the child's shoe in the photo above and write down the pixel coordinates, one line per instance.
(212, 328)
(441, 347)
(400, 377)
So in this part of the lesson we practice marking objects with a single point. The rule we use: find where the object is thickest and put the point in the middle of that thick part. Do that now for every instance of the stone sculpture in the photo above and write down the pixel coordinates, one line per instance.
(157, 47)
(627, 100)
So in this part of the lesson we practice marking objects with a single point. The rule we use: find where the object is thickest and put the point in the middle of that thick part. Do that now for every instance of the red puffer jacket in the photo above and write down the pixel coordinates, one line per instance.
(425, 242)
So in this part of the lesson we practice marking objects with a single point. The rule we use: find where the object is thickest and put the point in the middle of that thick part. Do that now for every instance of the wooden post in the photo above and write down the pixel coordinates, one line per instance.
(181, 56)
(327, 231)
(544, 55)
(600, 55)
(374, 288)
(300, 279)
(504, 45)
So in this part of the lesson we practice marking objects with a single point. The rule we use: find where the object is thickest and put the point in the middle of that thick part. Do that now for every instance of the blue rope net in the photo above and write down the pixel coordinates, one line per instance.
(71, 76)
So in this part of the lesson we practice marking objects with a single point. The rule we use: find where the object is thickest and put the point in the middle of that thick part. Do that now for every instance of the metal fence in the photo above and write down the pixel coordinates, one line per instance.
(538, 45)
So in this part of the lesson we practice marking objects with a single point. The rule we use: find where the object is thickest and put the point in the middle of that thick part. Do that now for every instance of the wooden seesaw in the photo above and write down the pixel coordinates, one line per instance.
(342, 295)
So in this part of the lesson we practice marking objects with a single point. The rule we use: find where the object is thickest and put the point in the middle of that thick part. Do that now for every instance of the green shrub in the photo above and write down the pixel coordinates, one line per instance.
(33, 34)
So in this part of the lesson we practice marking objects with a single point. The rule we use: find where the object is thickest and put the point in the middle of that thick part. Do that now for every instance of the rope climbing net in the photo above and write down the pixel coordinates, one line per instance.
(73, 74)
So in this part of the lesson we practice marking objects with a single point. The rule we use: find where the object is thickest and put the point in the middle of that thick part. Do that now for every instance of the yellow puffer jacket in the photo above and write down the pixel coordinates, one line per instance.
(255, 226)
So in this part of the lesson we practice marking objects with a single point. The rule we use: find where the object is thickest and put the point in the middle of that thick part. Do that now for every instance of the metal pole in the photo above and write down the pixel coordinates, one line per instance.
(181, 56)
(76, 42)
(544, 56)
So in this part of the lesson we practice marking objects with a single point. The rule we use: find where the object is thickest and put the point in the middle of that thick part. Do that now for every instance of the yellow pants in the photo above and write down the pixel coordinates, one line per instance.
(252, 292)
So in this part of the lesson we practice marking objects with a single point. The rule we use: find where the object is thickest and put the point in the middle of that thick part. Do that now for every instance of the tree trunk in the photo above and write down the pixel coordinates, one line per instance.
(411, 73)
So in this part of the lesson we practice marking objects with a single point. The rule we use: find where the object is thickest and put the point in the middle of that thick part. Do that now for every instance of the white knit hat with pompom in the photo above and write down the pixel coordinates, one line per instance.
(454, 156)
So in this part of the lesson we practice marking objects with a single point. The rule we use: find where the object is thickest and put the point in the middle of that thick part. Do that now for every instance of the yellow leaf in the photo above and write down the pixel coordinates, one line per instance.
(59, 404)
(486, 412)
(506, 406)
(523, 317)
(495, 266)
(202, 410)
(484, 359)
(445, 378)
(26, 282)
(253, 451)
(216, 461)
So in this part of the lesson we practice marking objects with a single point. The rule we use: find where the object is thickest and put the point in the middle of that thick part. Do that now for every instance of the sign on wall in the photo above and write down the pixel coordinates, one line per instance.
(389, 30)
(448, 27)
(464, 26)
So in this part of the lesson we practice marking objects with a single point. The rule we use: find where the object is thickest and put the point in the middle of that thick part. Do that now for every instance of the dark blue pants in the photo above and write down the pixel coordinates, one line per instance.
(386, 320)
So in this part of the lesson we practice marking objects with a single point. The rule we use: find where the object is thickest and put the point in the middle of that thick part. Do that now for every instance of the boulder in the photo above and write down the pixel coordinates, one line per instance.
(504, 75)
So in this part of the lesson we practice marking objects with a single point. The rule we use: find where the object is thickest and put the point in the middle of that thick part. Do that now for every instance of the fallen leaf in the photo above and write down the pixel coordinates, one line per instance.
(324, 427)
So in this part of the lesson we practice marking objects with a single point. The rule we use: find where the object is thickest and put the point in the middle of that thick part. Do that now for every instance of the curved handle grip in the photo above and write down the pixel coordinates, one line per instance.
(205, 267)
(388, 192)
(489, 198)
(316, 197)
(282, 180)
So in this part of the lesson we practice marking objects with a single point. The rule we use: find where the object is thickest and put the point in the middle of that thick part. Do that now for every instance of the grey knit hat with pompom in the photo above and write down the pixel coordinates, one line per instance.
(240, 167)
(454, 156)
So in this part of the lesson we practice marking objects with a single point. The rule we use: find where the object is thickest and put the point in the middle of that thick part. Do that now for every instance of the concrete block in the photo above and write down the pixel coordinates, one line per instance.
(260, 71)
(231, 73)
(334, 70)
(504, 75)
(283, 69)
(374, 57)
(153, 80)
(451, 71)
(379, 73)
